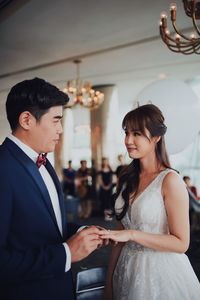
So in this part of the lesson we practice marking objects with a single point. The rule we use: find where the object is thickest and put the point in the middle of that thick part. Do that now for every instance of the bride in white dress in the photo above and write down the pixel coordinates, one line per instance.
(152, 205)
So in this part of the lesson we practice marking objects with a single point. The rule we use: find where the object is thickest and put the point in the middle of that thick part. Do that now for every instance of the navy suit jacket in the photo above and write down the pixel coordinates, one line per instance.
(32, 257)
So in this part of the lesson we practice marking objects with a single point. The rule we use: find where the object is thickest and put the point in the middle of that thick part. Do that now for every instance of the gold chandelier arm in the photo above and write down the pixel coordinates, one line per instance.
(186, 51)
(181, 43)
(173, 20)
(179, 32)
(197, 49)
(178, 46)
(195, 24)
(166, 36)
(77, 62)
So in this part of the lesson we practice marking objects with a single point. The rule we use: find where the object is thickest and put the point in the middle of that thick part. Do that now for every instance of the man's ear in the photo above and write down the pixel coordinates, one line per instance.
(26, 120)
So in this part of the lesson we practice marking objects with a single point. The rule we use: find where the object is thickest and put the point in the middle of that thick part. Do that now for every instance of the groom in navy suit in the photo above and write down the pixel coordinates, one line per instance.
(37, 245)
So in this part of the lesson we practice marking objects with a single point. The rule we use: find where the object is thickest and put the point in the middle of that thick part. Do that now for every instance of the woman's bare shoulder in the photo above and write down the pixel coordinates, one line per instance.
(173, 183)
(173, 178)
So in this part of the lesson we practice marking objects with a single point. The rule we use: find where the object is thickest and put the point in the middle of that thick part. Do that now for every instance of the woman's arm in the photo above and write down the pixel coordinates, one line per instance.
(116, 249)
(177, 207)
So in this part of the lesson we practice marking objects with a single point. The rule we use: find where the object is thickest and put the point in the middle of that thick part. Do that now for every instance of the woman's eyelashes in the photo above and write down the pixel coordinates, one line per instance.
(136, 133)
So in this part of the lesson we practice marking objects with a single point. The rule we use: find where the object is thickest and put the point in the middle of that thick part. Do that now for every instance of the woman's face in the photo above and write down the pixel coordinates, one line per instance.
(139, 145)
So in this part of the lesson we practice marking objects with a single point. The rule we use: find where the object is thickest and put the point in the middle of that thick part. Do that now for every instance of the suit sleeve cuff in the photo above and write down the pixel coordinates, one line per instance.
(82, 227)
(68, 257)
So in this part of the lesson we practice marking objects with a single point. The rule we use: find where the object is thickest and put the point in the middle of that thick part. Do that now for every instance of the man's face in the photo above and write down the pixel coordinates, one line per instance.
(44, 134)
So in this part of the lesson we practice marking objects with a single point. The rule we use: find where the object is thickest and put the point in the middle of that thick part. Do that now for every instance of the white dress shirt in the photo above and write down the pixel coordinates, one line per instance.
(51, 189)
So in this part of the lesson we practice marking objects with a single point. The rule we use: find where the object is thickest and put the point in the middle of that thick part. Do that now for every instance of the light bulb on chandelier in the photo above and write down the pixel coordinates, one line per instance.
(81, 92)
(181, 43)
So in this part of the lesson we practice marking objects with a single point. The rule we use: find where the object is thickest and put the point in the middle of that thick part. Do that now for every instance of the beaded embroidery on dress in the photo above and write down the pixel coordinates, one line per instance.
(145, 274)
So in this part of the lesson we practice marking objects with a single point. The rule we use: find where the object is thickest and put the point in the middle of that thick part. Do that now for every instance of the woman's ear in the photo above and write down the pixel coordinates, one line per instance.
(156, 139)
(26, 120)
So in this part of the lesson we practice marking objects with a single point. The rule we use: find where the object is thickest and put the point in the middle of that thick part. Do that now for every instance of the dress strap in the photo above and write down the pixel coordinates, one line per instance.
(164, 173)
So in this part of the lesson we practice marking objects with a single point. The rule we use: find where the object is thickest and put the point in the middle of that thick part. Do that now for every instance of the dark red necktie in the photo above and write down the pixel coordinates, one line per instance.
(41, 160)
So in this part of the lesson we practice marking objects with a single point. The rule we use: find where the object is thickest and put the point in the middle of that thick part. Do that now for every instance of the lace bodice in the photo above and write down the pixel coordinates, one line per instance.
(147, 212)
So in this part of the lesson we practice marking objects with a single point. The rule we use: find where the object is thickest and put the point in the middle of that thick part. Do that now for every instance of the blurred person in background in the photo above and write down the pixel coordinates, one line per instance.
(106, 188)
(83, 182)
(190, 186)
(121, 165)
(69, 175)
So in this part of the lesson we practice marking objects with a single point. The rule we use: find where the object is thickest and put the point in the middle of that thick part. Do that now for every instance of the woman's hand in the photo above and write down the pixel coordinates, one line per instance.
(117, 235)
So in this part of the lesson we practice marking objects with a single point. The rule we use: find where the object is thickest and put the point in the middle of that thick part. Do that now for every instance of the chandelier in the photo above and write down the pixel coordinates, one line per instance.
(180, 43)
(81, 92)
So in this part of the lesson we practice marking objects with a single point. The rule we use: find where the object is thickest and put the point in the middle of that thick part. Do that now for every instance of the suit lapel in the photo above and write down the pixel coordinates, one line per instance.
(32, 170)
(56, 181)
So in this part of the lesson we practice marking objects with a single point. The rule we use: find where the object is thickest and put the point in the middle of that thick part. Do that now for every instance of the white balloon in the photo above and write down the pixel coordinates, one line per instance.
(181, 110)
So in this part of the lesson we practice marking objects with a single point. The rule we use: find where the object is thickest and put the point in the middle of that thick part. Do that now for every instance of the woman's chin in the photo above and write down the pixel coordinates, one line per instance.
(133, 156)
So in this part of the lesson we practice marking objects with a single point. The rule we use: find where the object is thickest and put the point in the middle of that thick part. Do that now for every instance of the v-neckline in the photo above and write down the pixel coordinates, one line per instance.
(146, 188)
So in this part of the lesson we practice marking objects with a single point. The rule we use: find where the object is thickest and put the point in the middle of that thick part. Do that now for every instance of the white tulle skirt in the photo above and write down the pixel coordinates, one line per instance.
(145, 274)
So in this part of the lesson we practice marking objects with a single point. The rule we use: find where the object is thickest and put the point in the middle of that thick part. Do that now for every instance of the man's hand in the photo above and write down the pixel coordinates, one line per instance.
(105, 242)
(83, 243)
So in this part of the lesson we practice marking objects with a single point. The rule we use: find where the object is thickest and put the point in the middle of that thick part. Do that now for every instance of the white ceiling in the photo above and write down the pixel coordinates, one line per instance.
(38, 32)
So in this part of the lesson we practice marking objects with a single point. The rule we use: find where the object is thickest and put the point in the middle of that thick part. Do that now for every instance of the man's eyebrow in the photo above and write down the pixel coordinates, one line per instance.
(58, 117)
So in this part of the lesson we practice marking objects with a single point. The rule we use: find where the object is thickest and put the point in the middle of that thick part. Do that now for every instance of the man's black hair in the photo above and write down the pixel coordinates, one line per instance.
(34, 95)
